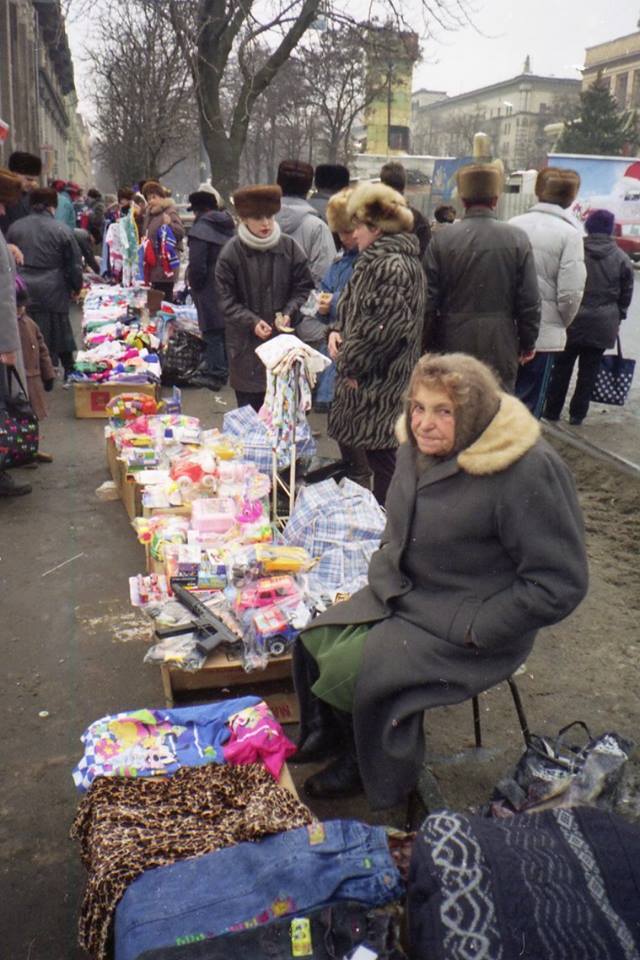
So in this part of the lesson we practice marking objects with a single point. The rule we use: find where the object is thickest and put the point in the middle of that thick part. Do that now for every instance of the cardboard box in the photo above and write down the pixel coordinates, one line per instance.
(91, 399)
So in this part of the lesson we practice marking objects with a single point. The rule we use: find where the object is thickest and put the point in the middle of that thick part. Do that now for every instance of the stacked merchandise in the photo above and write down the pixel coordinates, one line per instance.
(120, 339)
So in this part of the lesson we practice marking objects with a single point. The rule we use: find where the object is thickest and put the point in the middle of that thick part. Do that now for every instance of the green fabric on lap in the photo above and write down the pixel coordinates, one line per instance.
(338, 653)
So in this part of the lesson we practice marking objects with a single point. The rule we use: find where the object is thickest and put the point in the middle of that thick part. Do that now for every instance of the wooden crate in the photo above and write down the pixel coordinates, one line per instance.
(91, 399)
(218, 672)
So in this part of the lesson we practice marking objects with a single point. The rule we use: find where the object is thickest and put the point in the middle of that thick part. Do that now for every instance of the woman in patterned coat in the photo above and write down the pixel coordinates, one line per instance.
(376, 339)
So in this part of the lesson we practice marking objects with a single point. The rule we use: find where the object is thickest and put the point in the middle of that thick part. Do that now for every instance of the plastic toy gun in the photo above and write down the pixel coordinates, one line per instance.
(208, 630)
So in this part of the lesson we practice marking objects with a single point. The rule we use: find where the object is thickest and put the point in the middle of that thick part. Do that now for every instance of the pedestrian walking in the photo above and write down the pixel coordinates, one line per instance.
(163, 233)
(465, 577)
(394, 175)
(39, 369)
(556, 239)
(213, 227)
(607, 295)
(375, 340)
(10, 349)
(260, 273)
(298, 219)
(52, 272)
(483, 296)
(328, 179)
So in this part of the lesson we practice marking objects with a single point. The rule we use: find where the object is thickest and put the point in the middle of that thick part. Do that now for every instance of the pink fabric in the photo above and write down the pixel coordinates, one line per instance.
(257, 736)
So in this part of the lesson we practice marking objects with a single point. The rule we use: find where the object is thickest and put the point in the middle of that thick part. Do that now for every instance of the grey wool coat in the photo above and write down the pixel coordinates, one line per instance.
(483, 297)
(255, 285)
(380, 317)
(479, 552)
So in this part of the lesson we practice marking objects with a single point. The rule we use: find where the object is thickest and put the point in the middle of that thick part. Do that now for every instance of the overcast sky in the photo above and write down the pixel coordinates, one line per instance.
(553, 32)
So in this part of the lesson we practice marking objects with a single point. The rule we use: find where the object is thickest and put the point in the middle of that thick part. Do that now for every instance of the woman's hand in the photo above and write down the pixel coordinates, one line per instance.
(334, 344)
(16, 253)
(9, 358)
(262, 330)
(526, 357)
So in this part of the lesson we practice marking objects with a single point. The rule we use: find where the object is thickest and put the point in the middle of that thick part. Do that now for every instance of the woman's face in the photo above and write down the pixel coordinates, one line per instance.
(260, 226)
(347, 239)
(365, 235)
(433, 421)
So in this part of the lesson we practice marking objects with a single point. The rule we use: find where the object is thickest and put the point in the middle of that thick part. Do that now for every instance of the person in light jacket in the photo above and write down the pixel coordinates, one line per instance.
(298, 219)
(604, 306)
(484, 545)
(556, 238)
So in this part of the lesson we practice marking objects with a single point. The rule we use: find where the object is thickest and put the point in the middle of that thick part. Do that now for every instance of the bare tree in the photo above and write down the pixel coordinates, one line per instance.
(146, 117)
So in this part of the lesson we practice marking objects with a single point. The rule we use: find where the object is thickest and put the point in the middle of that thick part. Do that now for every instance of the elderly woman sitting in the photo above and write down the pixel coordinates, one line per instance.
(484, 544)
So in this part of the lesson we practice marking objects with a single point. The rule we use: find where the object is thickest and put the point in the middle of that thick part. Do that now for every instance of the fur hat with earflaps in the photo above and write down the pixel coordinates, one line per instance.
(295, 178)
(557, 185)
(10, 187)
(152, 187)
(338, 216)
(480, 181)
(25, 163)
(257, 201)
(379, 206)
(206, 197)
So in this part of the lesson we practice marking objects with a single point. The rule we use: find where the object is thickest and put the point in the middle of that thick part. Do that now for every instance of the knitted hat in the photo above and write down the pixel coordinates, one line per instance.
(380, 206)
(258, 201)
(557, 185)
(480, 181)
(331, 176)
(338, 217)
(600, 221)
(205, 197)
(152, 187)
(43, 196)
(10, 186)
(295, 178)
(58, 185)
(25, 163)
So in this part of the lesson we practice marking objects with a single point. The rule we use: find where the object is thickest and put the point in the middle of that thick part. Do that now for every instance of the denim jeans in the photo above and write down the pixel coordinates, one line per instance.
(334, 933)
(252, 883)
(326, 381)
(533, 381)
(215, 355)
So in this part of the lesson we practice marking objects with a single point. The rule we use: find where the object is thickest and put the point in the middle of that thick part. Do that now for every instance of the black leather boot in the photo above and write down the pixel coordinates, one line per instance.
(342, 777)
(320, 735)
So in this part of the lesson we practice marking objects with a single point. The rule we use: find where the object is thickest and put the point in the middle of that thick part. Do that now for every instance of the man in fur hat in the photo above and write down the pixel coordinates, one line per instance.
(27, 167)
(483, 296)
(299, 220)
(10, 350)
(328, 180)
(556, 238)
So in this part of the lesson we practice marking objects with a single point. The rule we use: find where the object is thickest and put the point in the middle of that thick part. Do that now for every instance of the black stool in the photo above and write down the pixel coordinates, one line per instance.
(414, 801)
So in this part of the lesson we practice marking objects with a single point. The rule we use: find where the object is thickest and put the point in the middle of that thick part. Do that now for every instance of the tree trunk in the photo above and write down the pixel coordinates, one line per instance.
(224, 158)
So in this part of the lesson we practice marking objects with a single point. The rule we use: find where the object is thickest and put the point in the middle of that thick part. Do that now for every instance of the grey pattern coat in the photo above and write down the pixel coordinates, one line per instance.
(479, 552)
(380, 317)
(483, 296)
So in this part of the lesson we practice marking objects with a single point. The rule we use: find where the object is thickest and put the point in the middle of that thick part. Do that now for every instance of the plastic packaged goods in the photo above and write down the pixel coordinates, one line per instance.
(181, 651)
(215, 515)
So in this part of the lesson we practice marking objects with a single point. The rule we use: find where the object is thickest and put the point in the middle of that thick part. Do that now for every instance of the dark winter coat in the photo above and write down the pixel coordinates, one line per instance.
(483, 296)
(607, 294)
(37, 362)
(153, 220)
(380, 317)
(483, 548)
(52, 268)
(207, 237)
(255, 285)
(421, 230)
(15, 211)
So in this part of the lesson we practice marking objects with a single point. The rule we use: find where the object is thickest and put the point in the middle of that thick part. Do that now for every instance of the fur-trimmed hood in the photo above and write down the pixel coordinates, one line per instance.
(380, 206)
(507, 437)
(160, 205)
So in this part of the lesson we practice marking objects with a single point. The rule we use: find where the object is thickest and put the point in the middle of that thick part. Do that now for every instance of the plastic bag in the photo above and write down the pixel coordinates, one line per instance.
(181, 651)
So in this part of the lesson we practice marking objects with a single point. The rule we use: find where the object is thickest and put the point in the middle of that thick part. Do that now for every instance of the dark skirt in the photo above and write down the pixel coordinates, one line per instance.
(56, 330)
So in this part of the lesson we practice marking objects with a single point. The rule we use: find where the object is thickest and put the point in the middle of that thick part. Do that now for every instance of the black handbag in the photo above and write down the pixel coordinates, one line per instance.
(19, 435)
(614, 378)
(181, 357)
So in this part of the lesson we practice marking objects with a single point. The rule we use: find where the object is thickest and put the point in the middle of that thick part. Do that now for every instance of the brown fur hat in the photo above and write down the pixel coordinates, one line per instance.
(10, 186)
(472, 386)
(257, 201)
(338, 217)
(295, 178)
(557, 185)
(25, 163)
(379, 206)
(480, 181)
(43, 197)
(152, 187)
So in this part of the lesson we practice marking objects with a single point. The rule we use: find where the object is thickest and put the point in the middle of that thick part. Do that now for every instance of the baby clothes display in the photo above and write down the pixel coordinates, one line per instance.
(257, 736)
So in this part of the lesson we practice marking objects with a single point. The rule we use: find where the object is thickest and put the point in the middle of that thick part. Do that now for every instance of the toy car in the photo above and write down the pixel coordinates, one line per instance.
(267, 591)
(272, 631)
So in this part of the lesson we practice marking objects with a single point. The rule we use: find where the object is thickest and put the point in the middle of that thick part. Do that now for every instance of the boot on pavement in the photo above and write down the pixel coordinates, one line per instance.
(320, 735)
(341, 778)
(10, 487)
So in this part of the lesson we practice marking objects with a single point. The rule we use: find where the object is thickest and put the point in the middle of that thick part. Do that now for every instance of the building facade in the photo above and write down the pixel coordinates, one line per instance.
(618, 63)
(37, 91)
(514, 113)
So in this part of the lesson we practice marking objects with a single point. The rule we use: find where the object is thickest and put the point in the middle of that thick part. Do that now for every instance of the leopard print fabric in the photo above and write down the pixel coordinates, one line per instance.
(126, 826)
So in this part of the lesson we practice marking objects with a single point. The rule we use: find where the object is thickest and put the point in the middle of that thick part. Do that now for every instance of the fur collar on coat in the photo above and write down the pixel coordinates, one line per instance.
(160, 205)
(507, 437)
